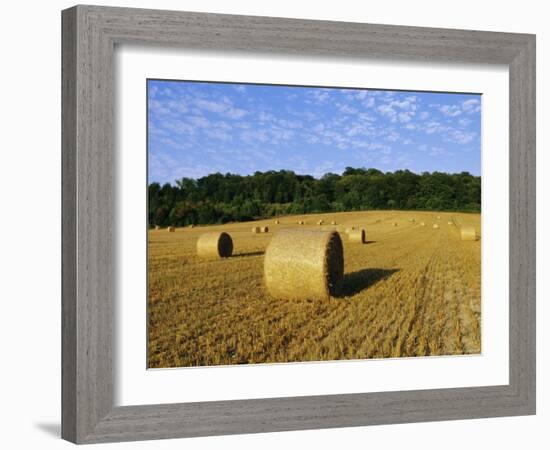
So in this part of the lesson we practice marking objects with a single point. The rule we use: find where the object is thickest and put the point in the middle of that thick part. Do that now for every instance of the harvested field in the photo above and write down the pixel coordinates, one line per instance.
(409, 291)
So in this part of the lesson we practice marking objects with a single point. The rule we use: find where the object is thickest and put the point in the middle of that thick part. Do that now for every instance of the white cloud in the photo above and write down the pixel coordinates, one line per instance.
(471, 106)
(450, 110)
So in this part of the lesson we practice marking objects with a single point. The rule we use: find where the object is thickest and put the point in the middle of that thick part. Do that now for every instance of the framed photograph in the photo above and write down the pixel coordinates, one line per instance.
(278, 224)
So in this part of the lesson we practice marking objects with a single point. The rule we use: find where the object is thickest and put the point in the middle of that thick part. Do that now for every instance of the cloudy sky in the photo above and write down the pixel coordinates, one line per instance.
(195, 129)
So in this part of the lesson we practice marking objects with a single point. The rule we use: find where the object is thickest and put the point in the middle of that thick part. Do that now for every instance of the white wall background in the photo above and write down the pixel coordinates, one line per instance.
(30, 221)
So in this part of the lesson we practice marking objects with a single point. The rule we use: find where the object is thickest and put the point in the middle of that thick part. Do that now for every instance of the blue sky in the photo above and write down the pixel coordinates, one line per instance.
(199, 128)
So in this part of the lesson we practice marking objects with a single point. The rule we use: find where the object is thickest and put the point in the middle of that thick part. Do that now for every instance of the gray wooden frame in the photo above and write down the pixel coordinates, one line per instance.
(89, 36)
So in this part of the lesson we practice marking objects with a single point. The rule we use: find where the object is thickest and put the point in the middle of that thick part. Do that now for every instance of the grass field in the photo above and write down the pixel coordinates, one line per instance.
(412, 290)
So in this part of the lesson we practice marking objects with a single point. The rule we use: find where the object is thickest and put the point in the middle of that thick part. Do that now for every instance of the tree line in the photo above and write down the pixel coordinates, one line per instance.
(222, 198)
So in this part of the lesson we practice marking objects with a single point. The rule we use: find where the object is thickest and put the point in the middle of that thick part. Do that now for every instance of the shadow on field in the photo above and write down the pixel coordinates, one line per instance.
(355, 282)
(241, 255)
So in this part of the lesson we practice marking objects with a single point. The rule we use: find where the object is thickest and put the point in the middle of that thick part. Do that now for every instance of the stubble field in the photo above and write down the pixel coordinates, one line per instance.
(411, 290)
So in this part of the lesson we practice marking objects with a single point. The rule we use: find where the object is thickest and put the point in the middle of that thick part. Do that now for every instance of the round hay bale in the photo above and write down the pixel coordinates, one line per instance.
(320, 222)
(171, 229)
(255, 229)
(276, 222)
(264, 229)
(157, 227)
(436, 226)
(438, 217)
(357, 236)
(449, 223)
(300, 222)
(214, 245)
(192, 226)
(412, 220)
(395, 224)
(468, 233)
(422, 224)
(333, 222)
(304, 264)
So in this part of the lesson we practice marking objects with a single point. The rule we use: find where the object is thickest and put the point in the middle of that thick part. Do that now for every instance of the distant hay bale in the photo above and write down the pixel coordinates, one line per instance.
(350, 229)
(300, 222)
(192, 226)
(333, 222)
(276, 222)
(422, 224)
(439, 217)
(171, 229)
(395, 224)
(214, 245)
(256, 230)
(157, 227)
(320, 222)
(436, 226)
(468, 233)
(304, 264)
(264, 229)
(357, 236)
(449, 223)
(412, 220)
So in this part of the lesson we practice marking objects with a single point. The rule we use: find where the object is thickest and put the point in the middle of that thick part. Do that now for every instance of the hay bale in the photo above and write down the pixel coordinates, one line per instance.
(468, 233)
(320, 222)
(449, 223)
(438, 217)
(264, 229)
(412, 220)
(157, 227)
(191, 226)
(350, 229)
(171, 229)
(256, 230)
(422, 224)
(304, 264)
(357, 236)
(300, 222)
(214, 245)
(436, 226)
(333, 222)
(395, 224)
(276, 222)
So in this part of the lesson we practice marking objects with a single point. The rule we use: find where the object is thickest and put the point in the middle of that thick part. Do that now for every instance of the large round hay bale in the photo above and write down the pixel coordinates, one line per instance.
(395, 224)
(422, 224)
(333, 222)
(264, 229)
(449, 223)
(357, 236)
(304, 264)
(157, 227)
(436, 226)
(171, 229)
(192, 226)
(255, 229)
(276, 222)
(214, 245)
(468, 233)
(438, 217)
(320, 222)
(300, 222)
